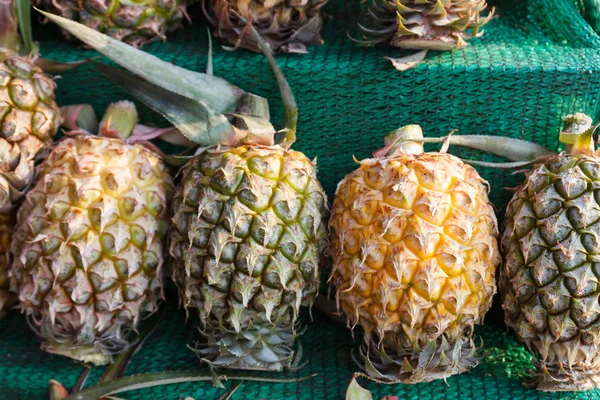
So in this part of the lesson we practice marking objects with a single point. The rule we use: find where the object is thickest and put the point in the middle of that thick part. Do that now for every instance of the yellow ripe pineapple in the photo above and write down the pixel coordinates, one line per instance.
(413, 240)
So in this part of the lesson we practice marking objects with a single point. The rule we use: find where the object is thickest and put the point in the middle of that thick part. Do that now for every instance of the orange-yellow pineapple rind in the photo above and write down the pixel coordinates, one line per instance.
(413, 240)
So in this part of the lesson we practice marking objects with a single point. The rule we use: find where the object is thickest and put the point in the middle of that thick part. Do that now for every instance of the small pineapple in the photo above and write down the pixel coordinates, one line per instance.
(413, 241)
(89, 241)
(288, 25)
(247, 236)
(426, 24)
(136, 23)
(549, 280)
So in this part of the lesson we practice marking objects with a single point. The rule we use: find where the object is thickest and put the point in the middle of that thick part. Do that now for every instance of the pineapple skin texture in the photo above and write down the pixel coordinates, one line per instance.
(549, 280)
(413, 241)
(246, 241)
(89, 243)
(135, 23)
(29, 119)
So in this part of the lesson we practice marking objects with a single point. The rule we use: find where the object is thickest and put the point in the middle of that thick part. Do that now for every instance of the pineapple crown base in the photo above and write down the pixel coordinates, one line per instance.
(561, 378)
(438, 359)
(257, 349)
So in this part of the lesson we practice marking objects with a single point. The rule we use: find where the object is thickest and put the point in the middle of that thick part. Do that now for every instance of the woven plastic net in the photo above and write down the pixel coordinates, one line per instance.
(537, 62)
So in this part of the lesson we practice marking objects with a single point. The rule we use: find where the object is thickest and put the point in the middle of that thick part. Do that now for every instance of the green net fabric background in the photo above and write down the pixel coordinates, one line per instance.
(537, 62)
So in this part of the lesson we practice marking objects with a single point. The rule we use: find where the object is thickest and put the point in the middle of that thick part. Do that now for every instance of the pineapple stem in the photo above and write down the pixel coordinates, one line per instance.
(406, 140)
(578, 134)
(9, 34)
(290, 119)
(119, 120)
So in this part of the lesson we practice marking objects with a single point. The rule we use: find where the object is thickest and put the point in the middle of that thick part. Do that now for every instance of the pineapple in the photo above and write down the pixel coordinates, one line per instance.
(136, 23)
(549, 280)
(413, 241)
(247, 236)
(89, 241)
(426, 24)
(288, 25)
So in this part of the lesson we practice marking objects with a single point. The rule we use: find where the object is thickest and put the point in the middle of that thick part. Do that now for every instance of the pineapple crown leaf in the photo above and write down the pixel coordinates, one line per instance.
(57, 391)
(209, 62)
(290, 119)
(120, 122)
(409, 139)
(192, 118)
(79, 117)
(577, 135)
(357, 392)
(221, 95)
(53, 66)
(513, 149)
(23, 8)
(508, 165)
(134, 382)
(197, 104)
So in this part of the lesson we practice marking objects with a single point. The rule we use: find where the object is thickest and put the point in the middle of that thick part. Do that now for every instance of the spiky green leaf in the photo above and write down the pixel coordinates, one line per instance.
(53, 66)
(164, 378)
(24, 17)
(221, 95)
(191, 117)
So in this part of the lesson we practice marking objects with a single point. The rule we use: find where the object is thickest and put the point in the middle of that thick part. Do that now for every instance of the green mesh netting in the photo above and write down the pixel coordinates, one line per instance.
(537, 62)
